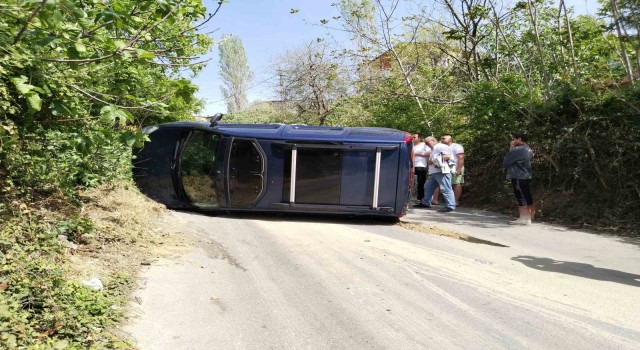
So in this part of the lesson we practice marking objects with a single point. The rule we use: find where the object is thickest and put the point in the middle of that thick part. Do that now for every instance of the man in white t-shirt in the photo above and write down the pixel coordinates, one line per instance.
(420, 154)
(439, 175)
(457, 171)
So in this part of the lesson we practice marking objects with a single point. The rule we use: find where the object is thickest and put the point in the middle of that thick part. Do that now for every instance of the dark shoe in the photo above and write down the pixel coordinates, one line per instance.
(421, 206)
(445, 210)
(435, 203)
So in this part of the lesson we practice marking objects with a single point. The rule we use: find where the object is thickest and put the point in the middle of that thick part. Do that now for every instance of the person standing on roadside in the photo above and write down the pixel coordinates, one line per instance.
(420, 154)
(439, 176)
(457, 173)
(518, 165)
(457, 170)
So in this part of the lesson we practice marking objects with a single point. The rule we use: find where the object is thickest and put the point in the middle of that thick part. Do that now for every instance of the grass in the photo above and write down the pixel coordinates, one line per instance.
(44, 303)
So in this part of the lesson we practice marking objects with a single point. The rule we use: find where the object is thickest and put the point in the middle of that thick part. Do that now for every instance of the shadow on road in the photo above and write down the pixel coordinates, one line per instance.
(630, 240)
(579, 269)
(299, 217)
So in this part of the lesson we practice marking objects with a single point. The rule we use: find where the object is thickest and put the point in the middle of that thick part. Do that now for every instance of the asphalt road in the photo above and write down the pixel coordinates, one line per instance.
(282, 282)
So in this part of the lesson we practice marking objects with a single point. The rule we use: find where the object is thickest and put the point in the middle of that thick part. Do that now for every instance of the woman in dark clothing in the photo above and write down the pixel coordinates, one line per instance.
(518, 164)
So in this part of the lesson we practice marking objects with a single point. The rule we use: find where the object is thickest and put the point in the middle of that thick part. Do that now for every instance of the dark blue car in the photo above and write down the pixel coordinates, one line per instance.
(277, 168)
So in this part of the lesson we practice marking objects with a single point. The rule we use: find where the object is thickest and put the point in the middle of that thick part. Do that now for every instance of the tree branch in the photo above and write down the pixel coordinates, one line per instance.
(26, 24)
(86, 60)
(109, 103)
(179, 64)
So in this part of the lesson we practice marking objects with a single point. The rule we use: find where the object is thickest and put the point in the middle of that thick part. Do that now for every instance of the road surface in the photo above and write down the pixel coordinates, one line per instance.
(291, 282)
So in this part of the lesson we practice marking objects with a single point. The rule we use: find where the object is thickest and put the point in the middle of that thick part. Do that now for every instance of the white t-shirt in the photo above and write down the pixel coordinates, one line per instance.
(437, 151)
(420, 161)
(456, 149)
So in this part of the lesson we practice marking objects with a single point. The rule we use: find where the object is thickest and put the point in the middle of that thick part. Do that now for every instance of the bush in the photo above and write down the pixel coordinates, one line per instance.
(586, 143)
(39, 306)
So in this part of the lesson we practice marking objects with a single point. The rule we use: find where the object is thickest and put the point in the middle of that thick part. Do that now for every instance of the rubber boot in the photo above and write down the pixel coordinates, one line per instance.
(524, 219)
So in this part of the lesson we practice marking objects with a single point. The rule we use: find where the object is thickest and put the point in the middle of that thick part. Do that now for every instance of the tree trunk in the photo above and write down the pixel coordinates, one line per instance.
(534, 22)
(576, 74)
(623, 47)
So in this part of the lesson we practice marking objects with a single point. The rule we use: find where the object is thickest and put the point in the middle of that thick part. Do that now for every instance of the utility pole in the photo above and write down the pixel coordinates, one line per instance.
(283, 97)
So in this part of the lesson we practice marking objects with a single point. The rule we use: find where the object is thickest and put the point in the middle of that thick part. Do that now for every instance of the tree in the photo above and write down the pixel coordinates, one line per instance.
(83, 75)
(483, 68)
(625, 15)
(358, 17)
(77, 80)
(312, 81)
(235, 73)
(393, 40)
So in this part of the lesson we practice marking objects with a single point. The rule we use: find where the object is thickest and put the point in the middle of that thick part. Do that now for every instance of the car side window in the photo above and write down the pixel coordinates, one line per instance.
(197, 169)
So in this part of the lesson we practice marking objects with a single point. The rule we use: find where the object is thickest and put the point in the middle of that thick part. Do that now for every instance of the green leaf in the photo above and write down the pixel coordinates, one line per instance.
(144, 54)
(107, 114)
(49, 41)
(58, 108)
(34, 101)
(56, 19)
(128, 138)
(118, 7)
(61, 344)
(80, 47)
(21, 85)
(79, 13)
(4, 311)
(119, 44)
(111, 114)
(85, 23)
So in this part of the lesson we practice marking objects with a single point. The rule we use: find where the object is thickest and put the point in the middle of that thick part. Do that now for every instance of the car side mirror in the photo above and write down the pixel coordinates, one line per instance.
(215, 119)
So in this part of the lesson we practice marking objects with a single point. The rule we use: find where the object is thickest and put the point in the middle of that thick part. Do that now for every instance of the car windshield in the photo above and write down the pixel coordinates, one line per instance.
(198, 167)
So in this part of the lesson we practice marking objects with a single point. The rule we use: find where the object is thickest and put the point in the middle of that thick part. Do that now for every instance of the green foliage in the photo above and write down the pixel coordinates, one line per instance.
(78, 77)
(59, 161)
(264, 113)
(586, 144)
(39, 306)
(77, 80)
(76, 228)
(493, 71)
(351, 112)
(235, 73)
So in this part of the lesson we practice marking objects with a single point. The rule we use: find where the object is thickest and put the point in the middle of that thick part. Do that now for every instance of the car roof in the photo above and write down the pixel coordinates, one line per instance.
(299, 132)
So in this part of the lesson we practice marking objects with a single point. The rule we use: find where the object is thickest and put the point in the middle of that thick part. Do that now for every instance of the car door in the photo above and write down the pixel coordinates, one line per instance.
(198, 169)
(245, 173)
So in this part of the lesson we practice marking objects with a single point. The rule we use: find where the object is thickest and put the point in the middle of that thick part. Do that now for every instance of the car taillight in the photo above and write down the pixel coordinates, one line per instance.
(408, 139)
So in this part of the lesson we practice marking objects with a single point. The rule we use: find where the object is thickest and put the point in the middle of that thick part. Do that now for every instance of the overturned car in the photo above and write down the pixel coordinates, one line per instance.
(276, 168)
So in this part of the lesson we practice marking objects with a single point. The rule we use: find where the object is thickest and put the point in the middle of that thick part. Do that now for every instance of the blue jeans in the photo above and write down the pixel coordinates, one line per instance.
(444, 182)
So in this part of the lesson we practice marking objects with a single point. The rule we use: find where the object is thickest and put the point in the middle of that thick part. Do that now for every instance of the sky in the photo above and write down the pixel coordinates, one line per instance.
(268, 29)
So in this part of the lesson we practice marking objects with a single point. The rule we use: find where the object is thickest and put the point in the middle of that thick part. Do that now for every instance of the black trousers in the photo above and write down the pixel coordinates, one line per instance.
(421, 173)
(522, 190)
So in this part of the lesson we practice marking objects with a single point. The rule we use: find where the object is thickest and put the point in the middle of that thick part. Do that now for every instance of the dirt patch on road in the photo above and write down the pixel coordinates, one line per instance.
(213, 248)
(434, 230)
